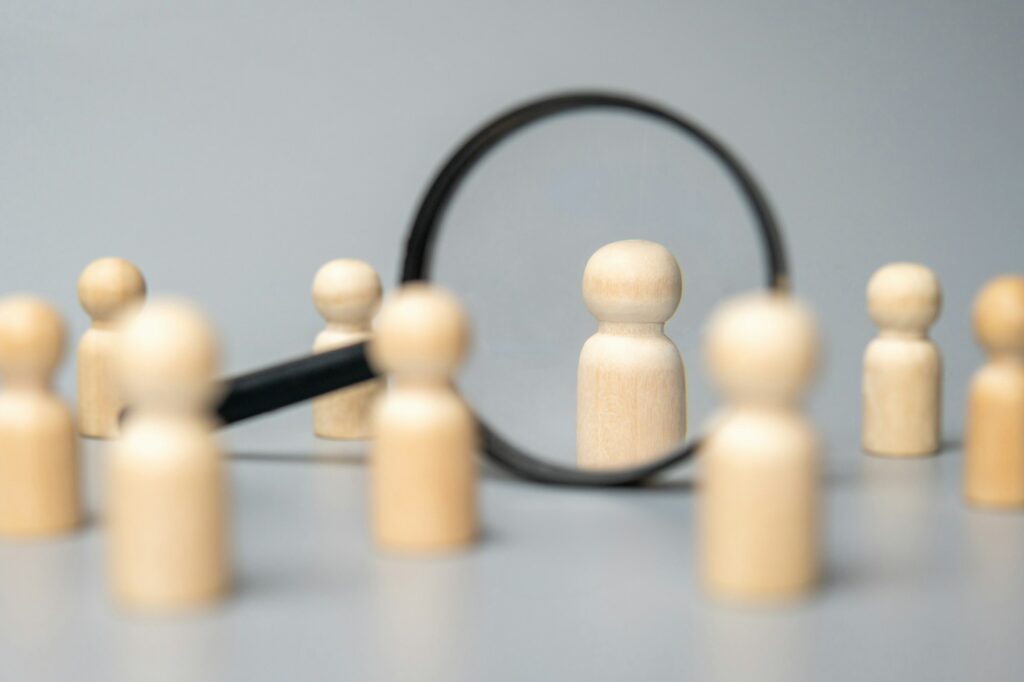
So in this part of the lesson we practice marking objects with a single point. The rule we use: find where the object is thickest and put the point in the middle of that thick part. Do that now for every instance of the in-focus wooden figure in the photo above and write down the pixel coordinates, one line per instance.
(994, 458)
(167, 513)
(347, 294)
(39, 488)
(108, 289)
(902, 389)
(422, 462)
(631, 385)
(758, 503)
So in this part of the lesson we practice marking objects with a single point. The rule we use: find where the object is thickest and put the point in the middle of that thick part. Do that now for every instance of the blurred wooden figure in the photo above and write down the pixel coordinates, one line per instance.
(422, 463)
(902, 387)
(758, 504)
(39, 489)
(167, 506)
(347, 294)
(107, 289)
(631, 385)
(994, 458)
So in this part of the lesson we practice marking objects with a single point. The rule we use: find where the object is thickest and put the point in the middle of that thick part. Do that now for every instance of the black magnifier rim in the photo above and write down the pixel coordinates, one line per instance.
(433, 208)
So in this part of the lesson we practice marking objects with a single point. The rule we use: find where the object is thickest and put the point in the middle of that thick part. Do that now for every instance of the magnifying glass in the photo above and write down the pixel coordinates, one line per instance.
(290, 382)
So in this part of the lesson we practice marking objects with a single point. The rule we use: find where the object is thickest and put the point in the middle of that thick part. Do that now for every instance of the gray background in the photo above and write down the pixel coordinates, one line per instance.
(230, 150)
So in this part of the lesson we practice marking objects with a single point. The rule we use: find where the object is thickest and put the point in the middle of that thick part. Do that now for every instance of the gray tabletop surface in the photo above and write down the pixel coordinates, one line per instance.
(565, 584)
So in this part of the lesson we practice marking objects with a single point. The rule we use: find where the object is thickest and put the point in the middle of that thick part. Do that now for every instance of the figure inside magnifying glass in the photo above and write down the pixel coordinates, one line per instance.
(631, 383)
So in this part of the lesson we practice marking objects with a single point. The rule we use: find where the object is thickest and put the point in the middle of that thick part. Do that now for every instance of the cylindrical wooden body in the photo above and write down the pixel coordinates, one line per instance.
(994, 456)
(99, 405)
(167, 514)
(631, 397)
(902, 395)
(423, 471)
(345, 414)
(758, 506)
(39, 478)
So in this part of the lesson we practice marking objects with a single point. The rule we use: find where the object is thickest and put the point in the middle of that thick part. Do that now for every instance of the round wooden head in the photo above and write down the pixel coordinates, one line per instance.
(999, 315)
(347, 291)
(32, 338)
(762, 348)
(904, 297)
(168, 355)
(422, 332)
(110, 286)
(632, 281)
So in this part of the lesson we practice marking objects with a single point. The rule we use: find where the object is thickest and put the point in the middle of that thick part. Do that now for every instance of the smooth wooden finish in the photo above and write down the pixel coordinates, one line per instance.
(758, 504)
(39, 478)
(902, 386)
(108, 288)
(994, 458)
(422, 462)
(167, 497)
(347, 293)
(631, 385)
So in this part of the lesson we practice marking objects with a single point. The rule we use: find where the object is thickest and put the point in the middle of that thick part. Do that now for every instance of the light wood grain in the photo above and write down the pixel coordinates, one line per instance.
(108, 289)
(631, 383)
(758, 503)
(167, 496)
(902, 385)
(39, 476)
(994, 458)
(423, 472)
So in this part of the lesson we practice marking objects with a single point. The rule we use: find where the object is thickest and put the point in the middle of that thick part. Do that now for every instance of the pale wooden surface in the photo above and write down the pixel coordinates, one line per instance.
(347, 293)
(167, 510)
(994, 461)
(902, 386)
(631, 384)
(108, 288)
(423, 461)
(758, 503)
(39, 486)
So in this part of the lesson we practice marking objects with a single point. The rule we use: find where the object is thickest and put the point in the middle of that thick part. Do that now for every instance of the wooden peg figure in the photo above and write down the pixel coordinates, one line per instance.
(108, 288)
(758, 503)
(347, 293)
(167, 506)
(994, 460)
(631, 385)
(39, 491)
(422, 463)
(902, 366)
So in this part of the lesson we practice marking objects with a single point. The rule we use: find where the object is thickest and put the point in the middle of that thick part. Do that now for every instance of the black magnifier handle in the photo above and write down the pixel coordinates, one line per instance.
(287, 383)
(272, 388)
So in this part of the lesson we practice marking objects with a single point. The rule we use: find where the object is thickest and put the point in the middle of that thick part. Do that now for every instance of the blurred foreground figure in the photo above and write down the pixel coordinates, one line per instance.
(167, 506)
(758, 505)
(423, 471)
(994, 459)
(39, 492)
